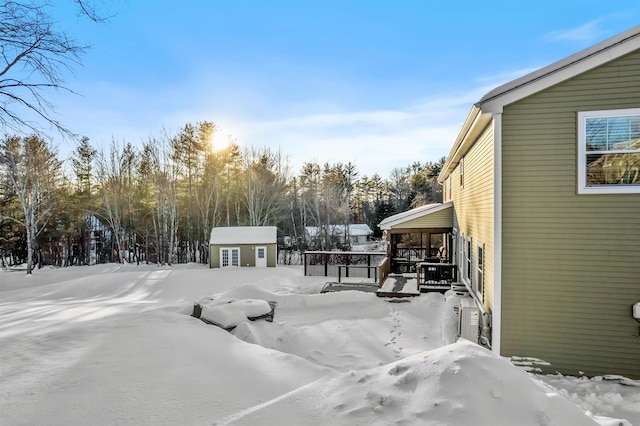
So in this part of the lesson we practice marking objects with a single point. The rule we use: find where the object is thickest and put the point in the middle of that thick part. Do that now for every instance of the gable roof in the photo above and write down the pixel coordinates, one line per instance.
(589, 58)
(412, 214)
(244, 235)
(495, 100)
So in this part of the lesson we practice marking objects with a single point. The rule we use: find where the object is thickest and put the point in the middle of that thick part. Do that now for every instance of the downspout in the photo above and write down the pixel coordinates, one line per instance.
(496, 320)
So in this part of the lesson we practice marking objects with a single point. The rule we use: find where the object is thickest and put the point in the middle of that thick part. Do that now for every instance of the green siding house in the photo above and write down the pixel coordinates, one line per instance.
(544, 178)
(235, 246)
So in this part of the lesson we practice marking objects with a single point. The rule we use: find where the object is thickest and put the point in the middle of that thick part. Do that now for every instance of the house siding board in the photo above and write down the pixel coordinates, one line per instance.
(214, 256)
(441, 219)
(558, 244)
(473, 212)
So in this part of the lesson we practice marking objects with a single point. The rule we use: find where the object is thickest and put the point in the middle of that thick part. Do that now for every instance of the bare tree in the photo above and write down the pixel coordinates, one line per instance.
(111, 179)
(267, 173)
(35, 55)
(31, 169)
(164, 173)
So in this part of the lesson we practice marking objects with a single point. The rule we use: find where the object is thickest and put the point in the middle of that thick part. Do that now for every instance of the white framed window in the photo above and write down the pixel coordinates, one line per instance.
(479, 284)
(467, 260)
(454, 246)
(444, 191)
(461, 172)
(460, 259)
(609, 151)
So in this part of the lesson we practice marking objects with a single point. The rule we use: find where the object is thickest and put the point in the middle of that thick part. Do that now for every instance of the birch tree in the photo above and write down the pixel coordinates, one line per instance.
(111, 180)
(31, 170)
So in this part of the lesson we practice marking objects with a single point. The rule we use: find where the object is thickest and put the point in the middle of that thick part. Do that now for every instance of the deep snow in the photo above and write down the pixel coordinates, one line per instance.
(114, 344)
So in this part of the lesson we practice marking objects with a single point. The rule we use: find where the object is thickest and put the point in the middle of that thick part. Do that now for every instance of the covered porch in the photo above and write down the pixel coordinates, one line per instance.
(420, 235)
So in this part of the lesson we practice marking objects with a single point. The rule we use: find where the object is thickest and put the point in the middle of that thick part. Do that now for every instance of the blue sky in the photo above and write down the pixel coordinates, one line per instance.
(378, 83)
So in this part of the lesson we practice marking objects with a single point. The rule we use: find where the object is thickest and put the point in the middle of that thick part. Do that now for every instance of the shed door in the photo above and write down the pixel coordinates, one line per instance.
(261, 256)
(229, 256)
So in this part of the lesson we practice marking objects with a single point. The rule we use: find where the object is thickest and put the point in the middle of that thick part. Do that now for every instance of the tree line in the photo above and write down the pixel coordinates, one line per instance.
(157, 202)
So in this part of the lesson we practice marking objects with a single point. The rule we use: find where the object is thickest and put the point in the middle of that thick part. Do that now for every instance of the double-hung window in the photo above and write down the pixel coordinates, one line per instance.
(467, 266)
(609, 151)
(480, 269)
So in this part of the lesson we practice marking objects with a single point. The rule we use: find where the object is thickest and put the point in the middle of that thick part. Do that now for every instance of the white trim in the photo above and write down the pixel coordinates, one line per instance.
(493, 102)
(231, 250)
(468, 261)
(480, 260)
(560, 71)
(582, 154)
(496, 311)
(461, 257)
(262, 261)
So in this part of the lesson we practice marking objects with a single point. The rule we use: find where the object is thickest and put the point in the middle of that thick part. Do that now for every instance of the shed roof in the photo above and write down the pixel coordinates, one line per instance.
(412, 214)
(244, 235)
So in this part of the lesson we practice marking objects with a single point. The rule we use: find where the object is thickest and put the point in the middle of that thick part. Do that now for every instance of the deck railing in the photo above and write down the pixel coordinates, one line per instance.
(436, 276)
(344, 264)
(436, 273)
(384, 269)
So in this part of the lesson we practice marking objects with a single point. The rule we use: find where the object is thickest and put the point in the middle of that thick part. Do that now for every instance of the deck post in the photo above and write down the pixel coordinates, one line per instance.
(326, 264)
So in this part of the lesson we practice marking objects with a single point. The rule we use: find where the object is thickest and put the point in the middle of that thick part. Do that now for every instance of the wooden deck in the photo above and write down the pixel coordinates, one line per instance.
(332, 287)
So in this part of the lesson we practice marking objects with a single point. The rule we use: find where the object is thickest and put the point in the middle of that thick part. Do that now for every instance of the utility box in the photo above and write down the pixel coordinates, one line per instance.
(469, 320)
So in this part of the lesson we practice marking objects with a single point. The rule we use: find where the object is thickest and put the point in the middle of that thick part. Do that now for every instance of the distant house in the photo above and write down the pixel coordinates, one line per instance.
(544, 178)
(353, 234)
(236, 246)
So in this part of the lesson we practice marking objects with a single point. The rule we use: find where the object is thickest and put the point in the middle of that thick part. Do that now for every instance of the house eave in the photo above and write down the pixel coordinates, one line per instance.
(557, 72)
(475, 123)
(494, 101)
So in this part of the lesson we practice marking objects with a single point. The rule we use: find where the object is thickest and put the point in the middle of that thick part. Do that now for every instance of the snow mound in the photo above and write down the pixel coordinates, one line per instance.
(461, 383)
(231, 313)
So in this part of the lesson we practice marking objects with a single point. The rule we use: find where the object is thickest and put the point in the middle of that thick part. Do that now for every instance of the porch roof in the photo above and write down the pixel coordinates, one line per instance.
(435, 215)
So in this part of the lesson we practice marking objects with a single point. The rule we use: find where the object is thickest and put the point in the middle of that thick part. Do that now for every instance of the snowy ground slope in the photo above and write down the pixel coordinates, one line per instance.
(112, 344)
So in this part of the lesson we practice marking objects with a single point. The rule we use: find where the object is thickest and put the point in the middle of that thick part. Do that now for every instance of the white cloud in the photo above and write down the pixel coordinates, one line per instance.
(586, 33)
(375, 141)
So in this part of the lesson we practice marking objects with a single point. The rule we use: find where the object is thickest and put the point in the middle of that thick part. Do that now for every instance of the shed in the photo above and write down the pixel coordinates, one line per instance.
(235, 246)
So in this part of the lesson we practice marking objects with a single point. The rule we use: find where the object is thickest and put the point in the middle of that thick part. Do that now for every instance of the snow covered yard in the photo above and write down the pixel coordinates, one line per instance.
(114, 344)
